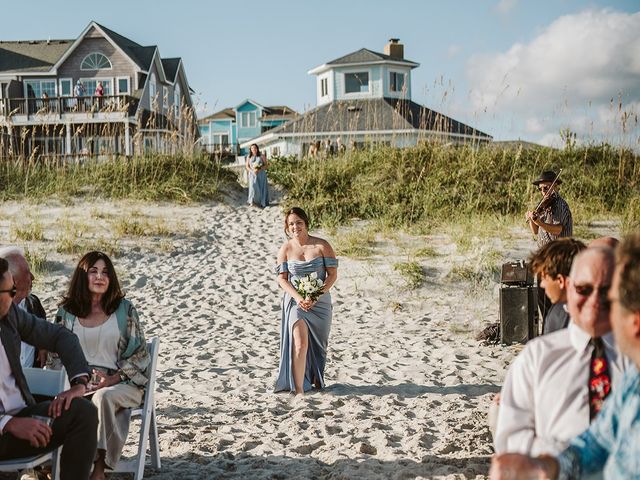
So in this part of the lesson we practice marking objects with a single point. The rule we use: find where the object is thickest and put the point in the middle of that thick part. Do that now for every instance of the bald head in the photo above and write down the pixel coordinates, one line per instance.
(589, 283)
(19, 268)
(605, 242)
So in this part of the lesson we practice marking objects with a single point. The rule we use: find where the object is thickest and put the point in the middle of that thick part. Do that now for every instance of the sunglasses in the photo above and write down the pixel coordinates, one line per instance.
(587, 290)
(11, 292)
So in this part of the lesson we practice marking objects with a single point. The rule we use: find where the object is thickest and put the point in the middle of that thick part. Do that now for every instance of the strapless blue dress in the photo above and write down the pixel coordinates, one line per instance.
(318, 321)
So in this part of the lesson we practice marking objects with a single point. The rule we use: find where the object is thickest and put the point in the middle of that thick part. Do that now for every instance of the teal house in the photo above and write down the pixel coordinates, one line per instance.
(223, 131)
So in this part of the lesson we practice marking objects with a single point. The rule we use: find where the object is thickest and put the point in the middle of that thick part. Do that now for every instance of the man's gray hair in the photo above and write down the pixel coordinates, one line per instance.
(10, 254)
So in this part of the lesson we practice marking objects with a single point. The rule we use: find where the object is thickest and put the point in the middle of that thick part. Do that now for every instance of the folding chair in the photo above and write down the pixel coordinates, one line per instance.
(48, 383)
(148, 428)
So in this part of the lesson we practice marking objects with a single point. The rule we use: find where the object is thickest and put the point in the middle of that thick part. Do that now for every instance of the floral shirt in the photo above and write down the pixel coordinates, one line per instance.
(612, 442)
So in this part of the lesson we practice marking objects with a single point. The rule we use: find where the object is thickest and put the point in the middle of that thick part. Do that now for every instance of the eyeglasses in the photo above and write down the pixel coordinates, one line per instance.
(587, 290)
(11, 292)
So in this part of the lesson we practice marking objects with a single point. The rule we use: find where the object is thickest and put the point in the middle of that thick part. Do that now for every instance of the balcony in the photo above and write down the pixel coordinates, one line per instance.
(61, 107)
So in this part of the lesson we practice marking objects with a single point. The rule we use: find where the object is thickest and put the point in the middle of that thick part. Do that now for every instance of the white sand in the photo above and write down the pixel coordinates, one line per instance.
(408, 386)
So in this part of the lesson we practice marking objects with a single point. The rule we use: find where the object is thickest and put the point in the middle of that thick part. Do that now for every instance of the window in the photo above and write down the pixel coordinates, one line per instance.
(248, 119)
(152, 92)
(324, 87)
(123, 86)
(35, 88)
(396, 81)
(95, 61)
(356, 82)
(165, 97)
(90, 85)
(176, 101)
(66, 87)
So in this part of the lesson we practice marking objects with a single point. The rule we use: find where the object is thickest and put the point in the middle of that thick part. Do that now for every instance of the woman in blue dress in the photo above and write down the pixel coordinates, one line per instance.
(256, 165)
(305, 323)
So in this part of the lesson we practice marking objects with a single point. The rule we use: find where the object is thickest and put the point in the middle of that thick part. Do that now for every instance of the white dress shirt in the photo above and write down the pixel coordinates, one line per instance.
(11, 400)
(27, 352)
(545, 398)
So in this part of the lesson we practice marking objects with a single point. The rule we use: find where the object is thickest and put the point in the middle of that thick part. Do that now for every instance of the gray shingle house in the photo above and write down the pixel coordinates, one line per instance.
(365, 97)
(98, 94)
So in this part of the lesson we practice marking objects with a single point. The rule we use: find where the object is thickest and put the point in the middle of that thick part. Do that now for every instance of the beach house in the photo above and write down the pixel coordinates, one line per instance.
(365, 97)
(98, 94)
(225, 130)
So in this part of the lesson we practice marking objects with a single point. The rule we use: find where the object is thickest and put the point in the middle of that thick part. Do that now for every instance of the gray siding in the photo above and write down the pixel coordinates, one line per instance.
(122, 65)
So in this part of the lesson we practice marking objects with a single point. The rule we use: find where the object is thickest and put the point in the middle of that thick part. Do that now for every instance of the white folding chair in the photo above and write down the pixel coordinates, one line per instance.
(148, 428)
(47, 383)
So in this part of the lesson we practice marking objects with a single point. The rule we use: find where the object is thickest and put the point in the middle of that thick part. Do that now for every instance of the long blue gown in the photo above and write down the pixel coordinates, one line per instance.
(258, 187)
(318, 321)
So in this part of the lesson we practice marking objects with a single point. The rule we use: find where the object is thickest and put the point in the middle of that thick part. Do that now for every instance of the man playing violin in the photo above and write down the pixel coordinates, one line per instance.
(552, 218)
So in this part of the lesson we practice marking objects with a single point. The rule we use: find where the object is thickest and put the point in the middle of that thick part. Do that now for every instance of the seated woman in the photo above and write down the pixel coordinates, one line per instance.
(305, 322)
(108, 328)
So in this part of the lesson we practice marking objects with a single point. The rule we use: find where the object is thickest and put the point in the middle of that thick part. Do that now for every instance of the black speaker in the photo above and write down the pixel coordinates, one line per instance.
(518, 318)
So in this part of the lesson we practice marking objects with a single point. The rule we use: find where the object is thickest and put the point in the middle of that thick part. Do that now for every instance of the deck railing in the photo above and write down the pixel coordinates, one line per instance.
(63, 105)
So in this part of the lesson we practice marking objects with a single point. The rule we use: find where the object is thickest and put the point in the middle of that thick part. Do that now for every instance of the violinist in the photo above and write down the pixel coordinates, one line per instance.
(551, 219)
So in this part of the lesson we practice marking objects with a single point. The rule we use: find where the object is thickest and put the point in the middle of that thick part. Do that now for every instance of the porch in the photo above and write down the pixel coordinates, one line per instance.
(60, 108)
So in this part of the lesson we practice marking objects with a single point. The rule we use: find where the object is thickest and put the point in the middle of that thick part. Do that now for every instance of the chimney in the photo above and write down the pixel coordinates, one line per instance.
(394, 48)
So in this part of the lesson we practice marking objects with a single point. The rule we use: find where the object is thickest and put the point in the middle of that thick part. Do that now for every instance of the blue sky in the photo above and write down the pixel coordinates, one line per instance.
(482, 62)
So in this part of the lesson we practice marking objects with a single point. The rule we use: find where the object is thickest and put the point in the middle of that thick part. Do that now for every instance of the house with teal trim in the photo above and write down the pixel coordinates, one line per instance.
(364, 97)
(223, 131)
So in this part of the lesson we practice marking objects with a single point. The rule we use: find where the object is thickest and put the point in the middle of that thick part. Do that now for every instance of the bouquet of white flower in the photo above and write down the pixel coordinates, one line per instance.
(309, 286)
(257, 163)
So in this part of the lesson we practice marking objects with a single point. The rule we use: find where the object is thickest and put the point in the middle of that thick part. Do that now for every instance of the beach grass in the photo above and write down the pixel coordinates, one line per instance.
(433, 185)
(176, 178)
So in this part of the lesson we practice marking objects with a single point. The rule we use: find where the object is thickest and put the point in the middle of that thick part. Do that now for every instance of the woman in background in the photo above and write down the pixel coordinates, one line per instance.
(108, 328)
(256, 165)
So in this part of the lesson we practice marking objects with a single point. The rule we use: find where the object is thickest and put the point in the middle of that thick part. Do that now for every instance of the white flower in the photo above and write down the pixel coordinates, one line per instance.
(313, 275)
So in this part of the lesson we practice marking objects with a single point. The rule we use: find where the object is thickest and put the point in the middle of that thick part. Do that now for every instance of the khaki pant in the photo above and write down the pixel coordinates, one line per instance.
(113, 405)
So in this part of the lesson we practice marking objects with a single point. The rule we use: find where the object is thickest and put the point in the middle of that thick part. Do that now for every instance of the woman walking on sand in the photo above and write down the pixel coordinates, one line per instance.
(256, 165)
(307, 269)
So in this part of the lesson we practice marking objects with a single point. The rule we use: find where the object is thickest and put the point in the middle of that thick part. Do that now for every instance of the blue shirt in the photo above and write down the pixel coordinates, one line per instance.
(612, 442)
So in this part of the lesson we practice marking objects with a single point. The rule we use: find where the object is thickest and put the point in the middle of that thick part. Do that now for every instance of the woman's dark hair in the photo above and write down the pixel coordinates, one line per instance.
(257, 149)
(295, 211)
(4, 266)
(78, 298)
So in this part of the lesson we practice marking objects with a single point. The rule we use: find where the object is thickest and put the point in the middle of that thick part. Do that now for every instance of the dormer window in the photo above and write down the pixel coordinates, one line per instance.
(356, 82)
(95, 61)
(396, 81)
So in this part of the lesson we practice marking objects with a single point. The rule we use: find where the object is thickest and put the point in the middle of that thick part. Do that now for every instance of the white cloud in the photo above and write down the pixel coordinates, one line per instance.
(453, 50)
(505, 6)
(566, 76)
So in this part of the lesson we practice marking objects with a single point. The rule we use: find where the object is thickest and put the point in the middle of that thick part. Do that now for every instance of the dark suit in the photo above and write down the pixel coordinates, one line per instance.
(76, 428)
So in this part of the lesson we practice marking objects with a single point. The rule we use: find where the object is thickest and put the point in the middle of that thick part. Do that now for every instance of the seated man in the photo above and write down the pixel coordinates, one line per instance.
(611, 445)
(552, 264)
(23, 278)
(555, 387)
(74, 418)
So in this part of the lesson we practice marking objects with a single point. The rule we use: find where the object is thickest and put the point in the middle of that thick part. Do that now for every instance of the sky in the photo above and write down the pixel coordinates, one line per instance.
(516, 69)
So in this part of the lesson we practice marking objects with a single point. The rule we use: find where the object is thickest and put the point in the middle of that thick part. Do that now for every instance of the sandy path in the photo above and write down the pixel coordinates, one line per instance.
(407, 390)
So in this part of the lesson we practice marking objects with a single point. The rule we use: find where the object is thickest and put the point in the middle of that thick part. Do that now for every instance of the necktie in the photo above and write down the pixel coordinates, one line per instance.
(599, 379)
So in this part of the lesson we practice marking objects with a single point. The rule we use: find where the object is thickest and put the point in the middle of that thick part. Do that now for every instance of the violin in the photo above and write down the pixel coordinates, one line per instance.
(548, 200)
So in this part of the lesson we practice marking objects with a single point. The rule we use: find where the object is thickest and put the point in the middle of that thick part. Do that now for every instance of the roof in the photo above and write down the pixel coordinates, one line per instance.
(227, 113)
(170, 66)
(278, 111)
(364, 55)
(375, 115)
(31, 55)
(141, 55)
(41, 55)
